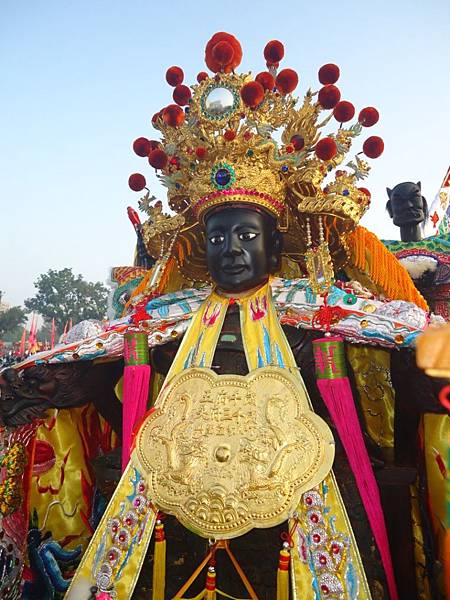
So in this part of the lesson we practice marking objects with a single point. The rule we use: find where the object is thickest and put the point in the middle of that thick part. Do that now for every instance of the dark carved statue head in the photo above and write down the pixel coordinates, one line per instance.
(407, 208)
(406, 204)
(243, 247)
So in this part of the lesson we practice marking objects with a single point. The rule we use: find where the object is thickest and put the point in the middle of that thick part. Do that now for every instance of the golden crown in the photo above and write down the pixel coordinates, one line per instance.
(235, 138)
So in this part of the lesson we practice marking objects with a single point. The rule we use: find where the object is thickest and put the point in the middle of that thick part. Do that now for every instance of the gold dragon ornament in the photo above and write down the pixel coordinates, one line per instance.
(225, 454)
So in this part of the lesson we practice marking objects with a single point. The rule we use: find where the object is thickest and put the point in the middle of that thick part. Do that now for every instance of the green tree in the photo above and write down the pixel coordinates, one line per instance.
(11, 319)
(45, 333)
(64, 297)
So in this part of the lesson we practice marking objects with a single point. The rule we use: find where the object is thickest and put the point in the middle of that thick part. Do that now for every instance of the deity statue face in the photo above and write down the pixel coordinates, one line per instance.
(243, 247)
(406, 205)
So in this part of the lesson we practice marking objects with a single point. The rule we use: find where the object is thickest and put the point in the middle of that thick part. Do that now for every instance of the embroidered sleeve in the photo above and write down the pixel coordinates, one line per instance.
(355, 314)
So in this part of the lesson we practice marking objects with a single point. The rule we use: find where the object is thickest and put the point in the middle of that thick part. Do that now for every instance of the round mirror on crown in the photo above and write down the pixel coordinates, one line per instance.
(219, 102)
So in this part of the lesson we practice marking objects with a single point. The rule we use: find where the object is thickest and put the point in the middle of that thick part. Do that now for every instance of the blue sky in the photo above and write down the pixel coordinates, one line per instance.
(80, 81)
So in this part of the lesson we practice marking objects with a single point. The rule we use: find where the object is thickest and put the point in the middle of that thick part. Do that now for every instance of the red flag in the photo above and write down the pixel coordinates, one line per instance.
(446, 182)
(31, 335)
(32, 340)
(52, 339)
(22, 342)
(35, 329)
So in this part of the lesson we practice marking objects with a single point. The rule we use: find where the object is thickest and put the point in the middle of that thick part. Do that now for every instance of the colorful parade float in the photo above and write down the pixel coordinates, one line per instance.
(249, 422)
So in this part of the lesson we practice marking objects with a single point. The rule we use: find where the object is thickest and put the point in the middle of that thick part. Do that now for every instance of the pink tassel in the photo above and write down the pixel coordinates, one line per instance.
(337, 394)
(136, 382)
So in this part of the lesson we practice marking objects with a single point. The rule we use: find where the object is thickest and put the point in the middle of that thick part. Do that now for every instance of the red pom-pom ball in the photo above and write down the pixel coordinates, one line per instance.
(252, 93)
(368, 116)
(273, 52)
(286, 81)
(266, 79)
(223, 52)
(365, 191)
(326, 149)
(173, 115)
(373, 147)
(153, 145)
(174, 76)
(137, 182)
(344, 111)
(329, 96)
(141, 146)
(329, 74)
(202, 76)
(182, 95)
(157, 158)
(298, 142)
(156, 116)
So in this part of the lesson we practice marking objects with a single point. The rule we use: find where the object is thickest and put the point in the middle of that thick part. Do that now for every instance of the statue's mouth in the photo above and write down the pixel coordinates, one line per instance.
(234, 269)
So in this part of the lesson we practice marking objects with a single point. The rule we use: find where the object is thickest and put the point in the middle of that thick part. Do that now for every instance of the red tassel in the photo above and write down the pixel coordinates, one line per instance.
(136, 380)
(337, 394)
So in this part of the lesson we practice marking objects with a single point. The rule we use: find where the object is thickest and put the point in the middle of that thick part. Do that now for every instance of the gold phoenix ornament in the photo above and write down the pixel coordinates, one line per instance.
(225, 454)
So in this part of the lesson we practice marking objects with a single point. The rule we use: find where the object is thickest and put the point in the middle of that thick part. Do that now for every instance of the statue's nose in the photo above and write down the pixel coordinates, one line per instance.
(232, 247)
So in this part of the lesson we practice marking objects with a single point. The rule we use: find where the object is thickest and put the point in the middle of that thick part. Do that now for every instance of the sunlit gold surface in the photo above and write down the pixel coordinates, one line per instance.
(225, 454)
(433, 351)
(320, 268)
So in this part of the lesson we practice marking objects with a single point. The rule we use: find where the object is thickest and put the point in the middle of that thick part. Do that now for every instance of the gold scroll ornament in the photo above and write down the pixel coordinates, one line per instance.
(225, 454)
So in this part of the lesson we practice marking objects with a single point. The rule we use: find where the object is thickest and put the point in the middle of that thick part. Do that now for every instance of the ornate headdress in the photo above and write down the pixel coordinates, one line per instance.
(234, 138)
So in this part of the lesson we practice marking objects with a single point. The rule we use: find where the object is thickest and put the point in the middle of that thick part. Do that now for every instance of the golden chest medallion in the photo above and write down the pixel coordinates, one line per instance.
(228, 453)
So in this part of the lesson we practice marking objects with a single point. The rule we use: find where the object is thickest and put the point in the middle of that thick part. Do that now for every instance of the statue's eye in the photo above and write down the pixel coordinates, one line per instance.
(215, 240)
(246, 236)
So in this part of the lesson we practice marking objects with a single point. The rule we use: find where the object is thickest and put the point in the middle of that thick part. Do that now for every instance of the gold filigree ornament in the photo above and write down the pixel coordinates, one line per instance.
(159, 226)
(320, 268)
(236, 138)
(319, 265)
(13, 466)
(226, 454)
